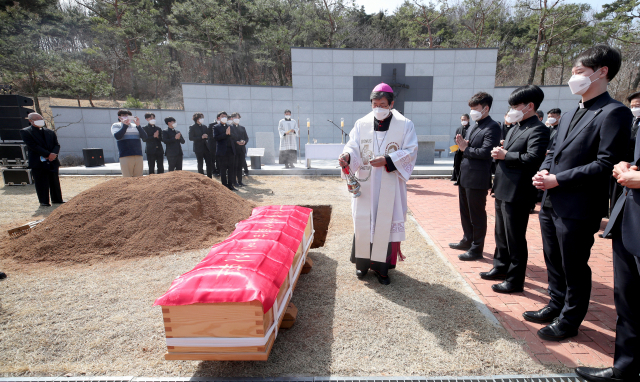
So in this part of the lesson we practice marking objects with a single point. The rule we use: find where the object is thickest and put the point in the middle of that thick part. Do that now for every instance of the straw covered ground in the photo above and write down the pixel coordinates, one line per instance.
(98, 319)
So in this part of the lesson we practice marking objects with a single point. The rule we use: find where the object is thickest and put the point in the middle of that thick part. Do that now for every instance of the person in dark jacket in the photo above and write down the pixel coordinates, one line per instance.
(43, 159)
(174, 140)
(518, 160)
(457, 156)
(615, 189)
(475, 176)
(225, 150)
(553, 119)
(540, 115)
(624, 226)
(236, 121)
(154, 150)
(241, 148)
(591, 139)
(198, 135)
(211, 146)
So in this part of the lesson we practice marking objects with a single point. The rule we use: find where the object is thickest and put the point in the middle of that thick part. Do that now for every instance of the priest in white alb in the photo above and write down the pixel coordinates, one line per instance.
(381, 153)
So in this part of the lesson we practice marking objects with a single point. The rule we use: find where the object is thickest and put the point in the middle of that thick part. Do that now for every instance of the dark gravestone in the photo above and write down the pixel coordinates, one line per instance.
(406, 88)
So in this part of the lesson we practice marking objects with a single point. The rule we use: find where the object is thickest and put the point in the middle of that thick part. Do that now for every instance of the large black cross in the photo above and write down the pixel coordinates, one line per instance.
(410, 89)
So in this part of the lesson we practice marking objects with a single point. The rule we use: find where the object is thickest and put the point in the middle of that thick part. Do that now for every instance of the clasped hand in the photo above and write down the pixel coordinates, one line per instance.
(499, 153)
(461, 142)
(627, 175)
(544, 181)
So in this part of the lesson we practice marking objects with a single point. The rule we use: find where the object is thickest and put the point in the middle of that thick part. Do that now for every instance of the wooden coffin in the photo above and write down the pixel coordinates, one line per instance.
(234, 322)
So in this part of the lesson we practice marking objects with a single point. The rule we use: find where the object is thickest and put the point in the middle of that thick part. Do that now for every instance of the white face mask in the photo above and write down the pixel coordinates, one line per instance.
(287, 117)
(464, 123)
(636, 111)
(201, 121)
(174, 125)
(551, 121)
(223, 120)
(380, 113)
(236, 120)
(475, 114)
(39, 123)
(152, 121)
(514, 115)
(579, 84)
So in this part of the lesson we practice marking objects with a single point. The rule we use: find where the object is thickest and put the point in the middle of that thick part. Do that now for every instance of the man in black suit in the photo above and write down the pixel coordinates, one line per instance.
(457, 157)
(540, 115)
(575, 173)
(518, 160)
(615, 188)
(198, 134)
(225, 150)
(211, 146)
(624, 226)
(154, 150)
(241, 148)
(43, 159)
(553, 119)
(475, 176)
(174, 140)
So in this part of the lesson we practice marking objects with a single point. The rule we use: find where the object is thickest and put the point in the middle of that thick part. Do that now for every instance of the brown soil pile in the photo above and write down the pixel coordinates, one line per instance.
(132, 217)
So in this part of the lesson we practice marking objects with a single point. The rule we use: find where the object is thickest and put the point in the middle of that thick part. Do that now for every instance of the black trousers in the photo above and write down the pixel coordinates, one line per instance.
(511, 253)
(175, 162)
(227, 169)
(473, 215)
(239, 161)
(566, 244)
(366, 264)
(47, 182)
(154, 158)
(204, 158)
(626, 278)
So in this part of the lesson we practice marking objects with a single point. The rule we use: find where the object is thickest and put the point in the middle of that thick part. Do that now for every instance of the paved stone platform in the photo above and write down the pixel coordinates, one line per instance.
(434, 204)
(442, 167)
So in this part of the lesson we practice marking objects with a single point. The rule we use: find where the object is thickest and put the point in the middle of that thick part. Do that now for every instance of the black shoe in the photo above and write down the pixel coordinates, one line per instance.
(232, 188)
(62, 202)
(507, 287)
(605, 237)
(470, 256)
(610, 374)
(241, 184)
(3, 275)
(557, 331)
(236, 185)
(384, 280)
(493, 274)
(541, 316)
(45, 205)
(456, 183)
(360, 274)
(461, 246)
(246, 173)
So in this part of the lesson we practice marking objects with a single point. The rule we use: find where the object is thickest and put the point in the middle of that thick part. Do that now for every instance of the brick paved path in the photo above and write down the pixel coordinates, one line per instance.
(434, 204)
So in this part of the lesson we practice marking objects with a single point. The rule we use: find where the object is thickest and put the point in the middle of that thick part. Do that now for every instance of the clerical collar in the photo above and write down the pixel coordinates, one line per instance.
(590, 102)
(528, 121)
(382, 125)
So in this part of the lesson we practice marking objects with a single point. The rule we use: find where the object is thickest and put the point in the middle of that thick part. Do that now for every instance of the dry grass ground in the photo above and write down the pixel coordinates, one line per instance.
(99, 320)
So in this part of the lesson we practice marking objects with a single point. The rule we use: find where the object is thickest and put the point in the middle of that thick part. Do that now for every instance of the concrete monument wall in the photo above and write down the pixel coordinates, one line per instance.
(432, 86)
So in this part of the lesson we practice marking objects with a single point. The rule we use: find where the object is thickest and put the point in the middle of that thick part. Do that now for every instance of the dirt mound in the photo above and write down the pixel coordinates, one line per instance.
(131, 217)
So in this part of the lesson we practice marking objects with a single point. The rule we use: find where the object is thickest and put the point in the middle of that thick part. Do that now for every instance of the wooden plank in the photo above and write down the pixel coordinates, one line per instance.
(289, 317)
(202, 355)
(229, 320)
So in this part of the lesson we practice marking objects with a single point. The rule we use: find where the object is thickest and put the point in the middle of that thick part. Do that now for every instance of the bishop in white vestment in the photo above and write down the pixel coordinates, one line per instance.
(381, 152)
